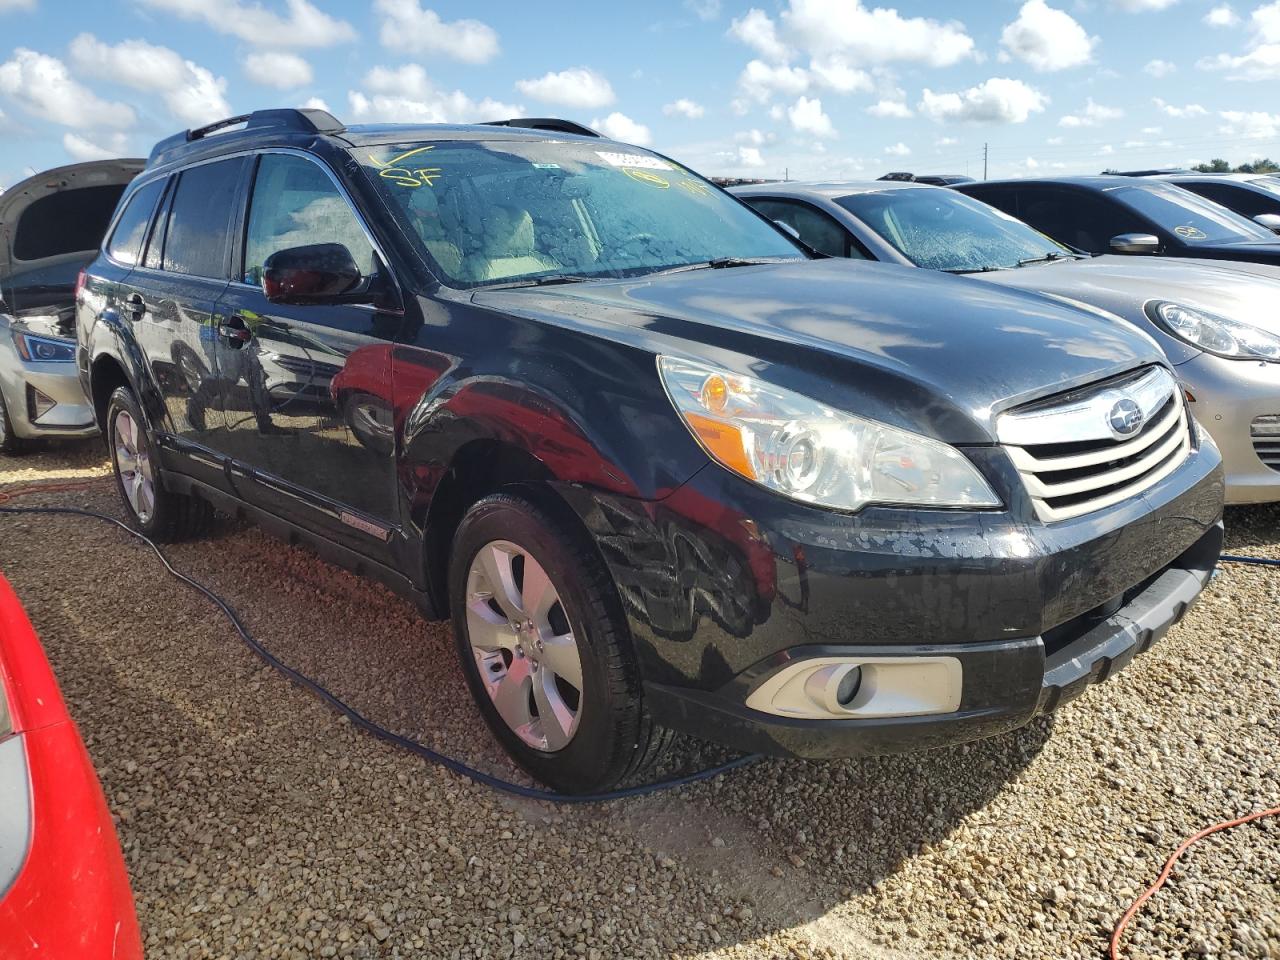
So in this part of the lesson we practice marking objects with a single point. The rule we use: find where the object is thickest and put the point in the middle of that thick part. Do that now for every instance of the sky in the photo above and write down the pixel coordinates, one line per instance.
(809, 89)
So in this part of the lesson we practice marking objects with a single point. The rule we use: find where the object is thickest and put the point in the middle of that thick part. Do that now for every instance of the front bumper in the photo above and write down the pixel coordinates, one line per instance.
(1229, 395)
(71, 415)
(724, 583)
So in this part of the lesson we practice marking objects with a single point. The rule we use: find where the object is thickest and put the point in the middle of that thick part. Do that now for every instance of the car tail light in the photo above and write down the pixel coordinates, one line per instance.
(80, 281)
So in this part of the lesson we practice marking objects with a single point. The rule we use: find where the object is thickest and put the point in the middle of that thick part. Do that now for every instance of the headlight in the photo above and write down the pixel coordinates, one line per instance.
(806, 451)
(44, 349)
(1217, 335)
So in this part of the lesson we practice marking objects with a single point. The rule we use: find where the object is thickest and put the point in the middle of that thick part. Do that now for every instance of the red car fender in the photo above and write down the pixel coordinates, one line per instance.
(71, 899)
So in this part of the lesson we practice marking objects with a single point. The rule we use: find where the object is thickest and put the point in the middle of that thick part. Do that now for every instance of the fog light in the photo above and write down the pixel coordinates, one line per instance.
(852, 687)
(38, 403)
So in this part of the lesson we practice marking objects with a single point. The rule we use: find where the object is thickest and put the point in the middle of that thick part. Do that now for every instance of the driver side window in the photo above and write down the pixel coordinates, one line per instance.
(295, 204)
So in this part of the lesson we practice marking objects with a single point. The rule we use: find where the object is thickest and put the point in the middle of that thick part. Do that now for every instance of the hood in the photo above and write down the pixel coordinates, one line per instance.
(15, 201)
(1124, 285)
(924, 350)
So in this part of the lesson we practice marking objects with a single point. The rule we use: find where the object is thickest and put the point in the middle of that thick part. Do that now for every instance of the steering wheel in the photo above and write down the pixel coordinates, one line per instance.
(633, 239)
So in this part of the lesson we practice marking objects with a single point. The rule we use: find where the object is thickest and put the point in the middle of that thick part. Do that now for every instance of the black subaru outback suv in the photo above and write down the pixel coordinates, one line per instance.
(661, 468)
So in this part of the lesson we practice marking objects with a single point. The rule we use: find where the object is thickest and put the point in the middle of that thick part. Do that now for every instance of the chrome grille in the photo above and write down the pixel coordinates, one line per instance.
(1265, 432)
(1100, 445)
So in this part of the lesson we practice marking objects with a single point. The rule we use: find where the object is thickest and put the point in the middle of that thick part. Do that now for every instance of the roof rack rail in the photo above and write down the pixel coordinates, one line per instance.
(545, 123)
(299, 120)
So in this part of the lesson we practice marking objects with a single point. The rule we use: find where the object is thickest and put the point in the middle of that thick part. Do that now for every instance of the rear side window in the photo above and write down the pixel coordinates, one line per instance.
(131, 228)
(199, 229)
(69, 221)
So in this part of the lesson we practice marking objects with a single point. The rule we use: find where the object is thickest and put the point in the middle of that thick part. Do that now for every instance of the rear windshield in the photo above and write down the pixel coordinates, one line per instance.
(1190, 216)
(69, 221)
(514, 210)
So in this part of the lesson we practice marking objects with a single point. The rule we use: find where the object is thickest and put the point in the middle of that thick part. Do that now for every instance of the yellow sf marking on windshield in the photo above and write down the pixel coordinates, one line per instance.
(696, 188)
(644, 176)
(405, 176)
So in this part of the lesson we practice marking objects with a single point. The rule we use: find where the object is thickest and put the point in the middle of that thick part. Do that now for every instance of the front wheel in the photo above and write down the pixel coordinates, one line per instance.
(10, 442)
(545, 647)
(154, 511)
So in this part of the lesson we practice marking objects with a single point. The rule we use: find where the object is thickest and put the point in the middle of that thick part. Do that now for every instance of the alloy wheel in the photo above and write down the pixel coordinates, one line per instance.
(137, 476)
(524, 646)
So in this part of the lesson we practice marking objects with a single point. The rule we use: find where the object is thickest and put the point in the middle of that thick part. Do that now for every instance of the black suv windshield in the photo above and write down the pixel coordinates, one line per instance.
(1190, 216)
(940, 229)
(507, 211)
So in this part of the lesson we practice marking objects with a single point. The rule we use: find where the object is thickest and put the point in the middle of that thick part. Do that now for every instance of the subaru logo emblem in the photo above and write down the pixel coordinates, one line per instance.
(1125, 418)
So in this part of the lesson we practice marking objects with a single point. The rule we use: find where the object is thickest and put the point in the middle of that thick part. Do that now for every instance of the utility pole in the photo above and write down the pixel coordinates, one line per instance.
(786, 174)
(984, 160)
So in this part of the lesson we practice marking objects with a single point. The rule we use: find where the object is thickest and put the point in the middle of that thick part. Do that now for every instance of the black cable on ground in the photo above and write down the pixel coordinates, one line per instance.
(1260, 561)
(367, 725)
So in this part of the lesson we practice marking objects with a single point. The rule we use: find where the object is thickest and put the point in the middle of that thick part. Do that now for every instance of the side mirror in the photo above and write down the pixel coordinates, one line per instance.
(1269, 220)
(1135, 243)
(319, 273)
(787, 229)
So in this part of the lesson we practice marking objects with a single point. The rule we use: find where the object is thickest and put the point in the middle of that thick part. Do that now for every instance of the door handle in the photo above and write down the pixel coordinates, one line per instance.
(135, 307)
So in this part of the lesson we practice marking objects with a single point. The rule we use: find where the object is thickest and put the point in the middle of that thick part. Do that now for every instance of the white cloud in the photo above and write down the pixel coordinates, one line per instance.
(998, 100)
(1160, 68)
(890, 108)
(1047, 38)
(750, 157)
(304, 26)
(1249, 124)
(1056, 141)
(43, 86)
(275, 68)
(807, 116)
(835, 73)
(758, 31)
(1092, 115)
(579, 87)
(1106, 149)
(1169, 109)
(754, 137)
(684, 108)
(192, 94)
(1223, 16)
(1261, 61)
(898, 150)
(316, 103)
(1143, 6)
(703, 9)
(82, 148)
(407, 27)
(7, 5)
(407, 94)
(945, 142)
(875, 36)
(618, 126)
(1153, 131)
(1031, 163)
(759, 81)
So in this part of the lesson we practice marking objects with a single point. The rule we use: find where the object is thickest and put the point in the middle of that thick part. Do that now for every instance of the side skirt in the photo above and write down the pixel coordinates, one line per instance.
(295, 535)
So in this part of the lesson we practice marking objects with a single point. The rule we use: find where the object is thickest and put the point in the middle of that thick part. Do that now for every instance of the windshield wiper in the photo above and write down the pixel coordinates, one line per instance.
(543, 281)
(1051, 257)
(721, 263)
(983, 269)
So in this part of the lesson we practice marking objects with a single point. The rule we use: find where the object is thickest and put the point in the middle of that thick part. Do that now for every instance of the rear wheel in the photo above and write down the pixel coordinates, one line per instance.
(10, 442)
(153, 510)
(545, 647)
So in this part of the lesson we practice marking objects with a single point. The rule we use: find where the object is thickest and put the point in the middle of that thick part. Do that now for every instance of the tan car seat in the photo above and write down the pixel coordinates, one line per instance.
(510, 248)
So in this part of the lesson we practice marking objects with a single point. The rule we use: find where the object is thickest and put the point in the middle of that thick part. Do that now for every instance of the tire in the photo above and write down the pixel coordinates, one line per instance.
(10, 443)
(152, 510)
(608, 736)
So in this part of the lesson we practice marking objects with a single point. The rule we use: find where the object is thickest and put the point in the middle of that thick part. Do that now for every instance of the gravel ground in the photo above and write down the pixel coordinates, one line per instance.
(257, 824)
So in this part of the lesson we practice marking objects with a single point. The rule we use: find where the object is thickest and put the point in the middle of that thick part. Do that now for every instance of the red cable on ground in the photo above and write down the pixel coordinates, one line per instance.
(65, 487)
(1168, 869)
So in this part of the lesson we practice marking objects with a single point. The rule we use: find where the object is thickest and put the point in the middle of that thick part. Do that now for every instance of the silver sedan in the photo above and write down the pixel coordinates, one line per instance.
(40, 391)
(1216, 320)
